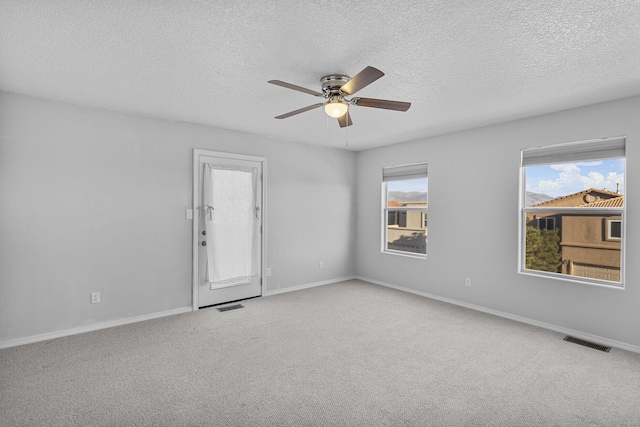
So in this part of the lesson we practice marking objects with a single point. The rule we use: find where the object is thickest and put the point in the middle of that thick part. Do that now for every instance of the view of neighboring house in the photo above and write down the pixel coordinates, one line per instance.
(590, 243)
(407, 229)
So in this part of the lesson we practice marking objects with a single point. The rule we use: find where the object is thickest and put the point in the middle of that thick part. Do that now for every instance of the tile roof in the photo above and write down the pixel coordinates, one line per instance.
(589, 190)
(616, 202)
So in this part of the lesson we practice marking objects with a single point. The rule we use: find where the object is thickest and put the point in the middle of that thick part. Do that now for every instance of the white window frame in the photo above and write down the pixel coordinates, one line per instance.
(596, 149)
(609, 236)
(400, 173)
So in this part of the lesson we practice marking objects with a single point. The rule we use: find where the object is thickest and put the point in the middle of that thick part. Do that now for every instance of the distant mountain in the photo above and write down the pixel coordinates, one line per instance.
(404, 197)
(531, 199)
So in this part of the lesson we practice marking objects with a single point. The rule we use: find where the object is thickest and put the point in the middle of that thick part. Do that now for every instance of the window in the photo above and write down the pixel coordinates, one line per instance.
(547, 223)
(404, 210)
(572, 215)
(614, 229)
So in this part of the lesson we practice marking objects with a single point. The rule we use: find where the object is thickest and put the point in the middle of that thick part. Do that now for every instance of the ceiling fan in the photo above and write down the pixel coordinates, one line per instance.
(336, 88)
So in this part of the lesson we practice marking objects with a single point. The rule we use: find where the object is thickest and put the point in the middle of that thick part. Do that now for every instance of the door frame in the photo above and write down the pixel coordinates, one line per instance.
(196, 215)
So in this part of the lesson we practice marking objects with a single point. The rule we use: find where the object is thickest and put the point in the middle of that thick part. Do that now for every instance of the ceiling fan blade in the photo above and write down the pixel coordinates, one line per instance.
(301, 110)
(362, 79)
(382, 103)
(294, 87)
(345, 120)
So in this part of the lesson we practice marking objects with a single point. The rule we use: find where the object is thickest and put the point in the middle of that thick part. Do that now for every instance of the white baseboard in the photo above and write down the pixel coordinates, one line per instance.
(577, 334)
(128, 320)
(95, 327)
(307, 286)
(90, 328)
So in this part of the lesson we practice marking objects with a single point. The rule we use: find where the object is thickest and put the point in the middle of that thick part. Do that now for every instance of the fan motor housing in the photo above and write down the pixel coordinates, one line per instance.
(332, 83)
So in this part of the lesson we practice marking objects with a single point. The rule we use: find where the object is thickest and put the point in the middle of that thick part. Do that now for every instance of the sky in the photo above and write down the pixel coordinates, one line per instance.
(407, 186)
(553, 180)
(568, 178)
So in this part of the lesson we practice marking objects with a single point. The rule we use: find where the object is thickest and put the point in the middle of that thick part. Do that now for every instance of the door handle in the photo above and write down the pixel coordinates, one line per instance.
(209, 211)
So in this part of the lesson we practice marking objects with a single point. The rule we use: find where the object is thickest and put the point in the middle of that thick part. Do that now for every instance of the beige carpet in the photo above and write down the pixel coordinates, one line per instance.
(347, 354)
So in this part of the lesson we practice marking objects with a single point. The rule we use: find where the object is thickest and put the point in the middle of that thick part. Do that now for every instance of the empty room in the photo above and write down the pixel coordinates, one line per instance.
(319, 213)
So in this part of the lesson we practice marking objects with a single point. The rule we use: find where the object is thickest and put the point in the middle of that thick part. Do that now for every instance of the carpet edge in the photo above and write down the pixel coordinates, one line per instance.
(549, 326)
(89, 328)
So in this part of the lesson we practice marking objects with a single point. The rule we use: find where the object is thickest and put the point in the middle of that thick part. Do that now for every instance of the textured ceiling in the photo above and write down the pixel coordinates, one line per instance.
(461, 63)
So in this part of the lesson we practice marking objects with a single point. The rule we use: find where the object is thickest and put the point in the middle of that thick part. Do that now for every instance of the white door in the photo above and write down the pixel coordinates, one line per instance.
(227, 227)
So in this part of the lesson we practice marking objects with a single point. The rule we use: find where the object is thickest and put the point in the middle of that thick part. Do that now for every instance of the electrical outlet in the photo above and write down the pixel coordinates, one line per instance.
(467, 281)
(321, 265)
(188, 214)
(268, 271)
(95, 297)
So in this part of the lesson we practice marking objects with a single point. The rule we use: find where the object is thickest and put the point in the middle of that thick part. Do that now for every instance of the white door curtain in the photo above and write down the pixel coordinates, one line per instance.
(232, 218)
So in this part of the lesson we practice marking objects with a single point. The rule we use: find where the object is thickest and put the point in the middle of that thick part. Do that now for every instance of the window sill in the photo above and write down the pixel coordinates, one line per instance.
(575, 279)
(405, 254)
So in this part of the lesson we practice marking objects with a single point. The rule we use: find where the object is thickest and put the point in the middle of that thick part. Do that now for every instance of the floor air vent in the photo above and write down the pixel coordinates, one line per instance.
(231, 307)
(587, 344)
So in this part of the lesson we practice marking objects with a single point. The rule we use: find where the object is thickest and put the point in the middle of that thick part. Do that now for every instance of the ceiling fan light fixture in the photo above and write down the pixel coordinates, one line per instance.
(336, 107)
(338, 91)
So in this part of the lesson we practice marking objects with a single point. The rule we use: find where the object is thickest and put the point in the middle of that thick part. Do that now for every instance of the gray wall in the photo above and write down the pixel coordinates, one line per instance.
(473, 222)
(95, 201)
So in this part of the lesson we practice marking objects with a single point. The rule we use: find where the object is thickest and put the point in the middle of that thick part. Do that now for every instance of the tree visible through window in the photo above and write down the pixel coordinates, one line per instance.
(543, 250)
(573, 210)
